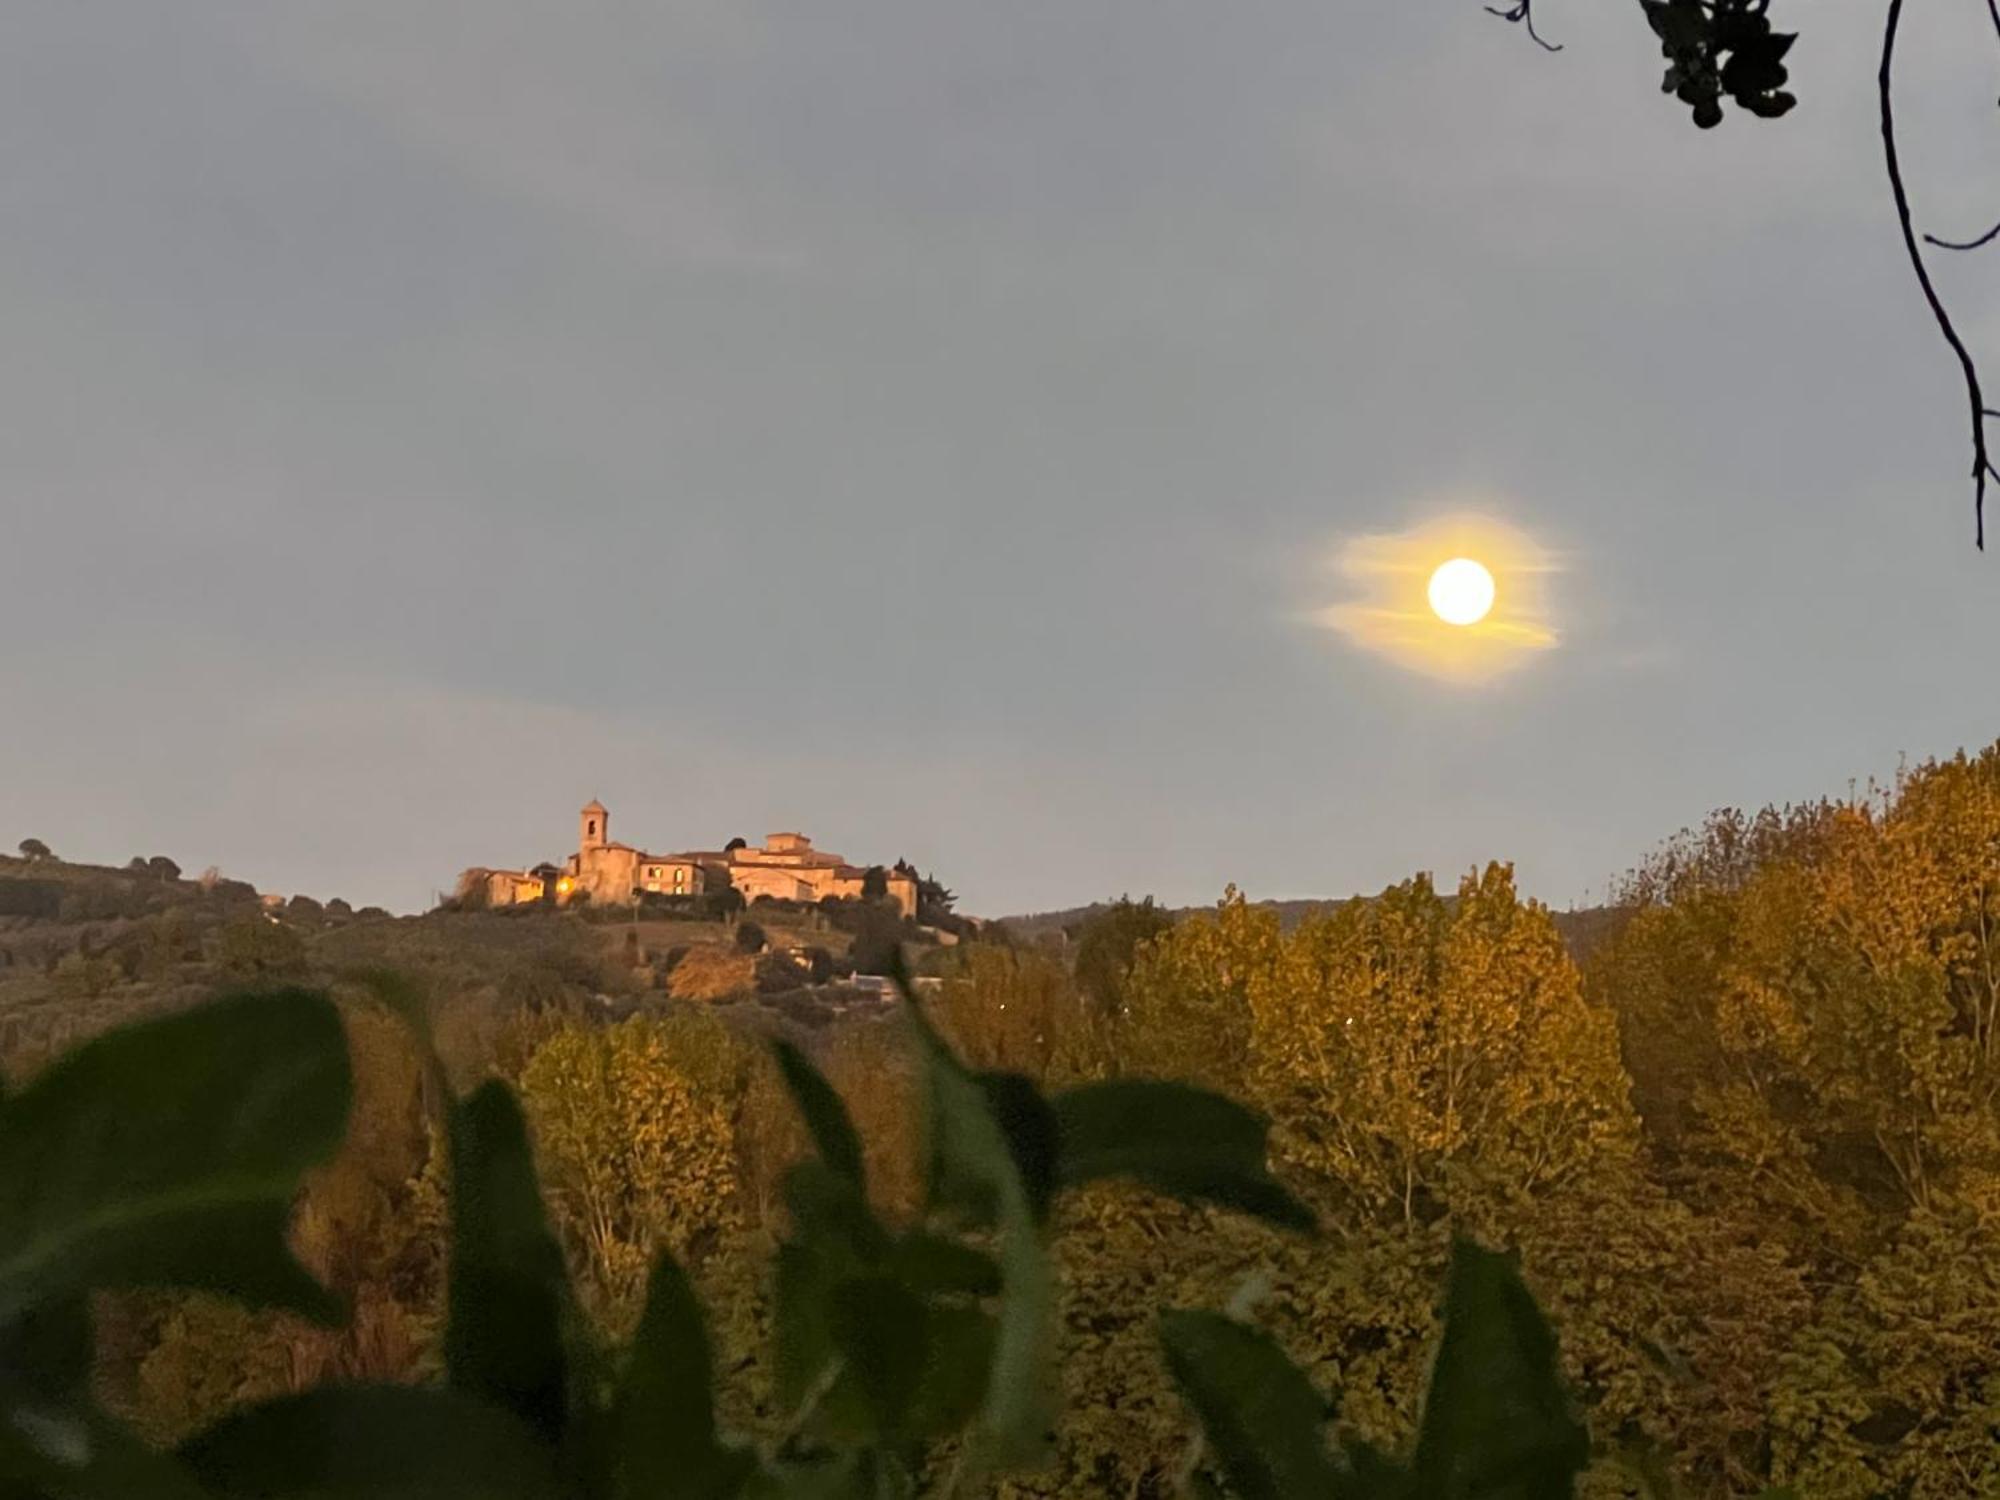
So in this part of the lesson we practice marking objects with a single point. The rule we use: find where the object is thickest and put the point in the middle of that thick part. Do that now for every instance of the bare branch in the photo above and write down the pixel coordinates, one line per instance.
(1982, 465)
(1985, 239)
(1523, 14)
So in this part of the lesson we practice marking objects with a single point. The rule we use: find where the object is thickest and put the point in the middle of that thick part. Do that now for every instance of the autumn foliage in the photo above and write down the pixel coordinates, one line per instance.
(1747, 1153)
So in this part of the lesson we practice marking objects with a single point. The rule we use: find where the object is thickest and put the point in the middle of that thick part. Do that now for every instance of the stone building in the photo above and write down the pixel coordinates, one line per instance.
(786, 868)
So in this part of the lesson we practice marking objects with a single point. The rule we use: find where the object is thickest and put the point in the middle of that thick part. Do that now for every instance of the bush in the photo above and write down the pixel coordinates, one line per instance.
(750, 938)
(719, 904)
(259, 948)
(30, 898)
(80, 976)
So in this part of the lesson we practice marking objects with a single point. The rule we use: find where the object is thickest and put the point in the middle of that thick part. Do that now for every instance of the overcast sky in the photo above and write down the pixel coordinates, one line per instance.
(932, 424)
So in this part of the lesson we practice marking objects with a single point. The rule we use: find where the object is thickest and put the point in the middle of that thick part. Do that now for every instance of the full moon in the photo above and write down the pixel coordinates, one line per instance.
(1461, 591)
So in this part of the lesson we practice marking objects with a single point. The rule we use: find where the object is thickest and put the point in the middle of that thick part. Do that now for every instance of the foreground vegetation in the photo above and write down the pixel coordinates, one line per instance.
(1746, 1153)
(169, 1154)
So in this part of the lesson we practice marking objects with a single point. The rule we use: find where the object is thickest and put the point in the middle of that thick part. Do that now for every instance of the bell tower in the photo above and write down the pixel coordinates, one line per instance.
(593, 826)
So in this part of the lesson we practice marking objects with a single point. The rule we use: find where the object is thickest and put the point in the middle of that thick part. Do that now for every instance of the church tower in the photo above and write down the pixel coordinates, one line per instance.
(594, 827)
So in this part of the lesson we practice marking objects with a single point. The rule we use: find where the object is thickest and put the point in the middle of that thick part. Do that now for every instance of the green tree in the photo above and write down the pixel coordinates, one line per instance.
(32, 849)
(1108, 942)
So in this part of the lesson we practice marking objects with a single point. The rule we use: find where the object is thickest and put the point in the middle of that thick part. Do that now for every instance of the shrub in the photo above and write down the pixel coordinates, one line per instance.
(259, 948)
(30, 898)
(34, 849)
(724, 902)
(749, 938)
(80, 976)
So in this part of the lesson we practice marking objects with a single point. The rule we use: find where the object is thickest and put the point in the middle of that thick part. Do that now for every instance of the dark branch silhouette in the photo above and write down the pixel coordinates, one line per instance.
(1696, 35)
(1974, 244)
(1523, 14)
(1982, 465)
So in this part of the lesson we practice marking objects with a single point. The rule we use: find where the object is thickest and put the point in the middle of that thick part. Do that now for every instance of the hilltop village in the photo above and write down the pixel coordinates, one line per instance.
(603, 871)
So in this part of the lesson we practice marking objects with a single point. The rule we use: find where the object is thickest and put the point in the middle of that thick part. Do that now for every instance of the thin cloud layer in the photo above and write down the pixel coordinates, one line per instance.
(1390, 615)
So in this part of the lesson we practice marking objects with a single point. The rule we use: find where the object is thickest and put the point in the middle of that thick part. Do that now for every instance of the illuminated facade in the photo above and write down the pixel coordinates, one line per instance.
(787, 868)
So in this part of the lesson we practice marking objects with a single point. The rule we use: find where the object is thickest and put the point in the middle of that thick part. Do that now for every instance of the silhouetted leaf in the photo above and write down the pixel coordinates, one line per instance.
(1263, 1420)
(801, 1286)
(1029, 1125)
(825, 1116)
(1176, 1139)
(1497, 1423)
(374, 1443)
(878, 1327)
(931, 1263)
(974, 1159)
(508, 1294)
(958, 1353)
(168, 1153)
(667, 1444)
(826, 1208)
(47, 1350)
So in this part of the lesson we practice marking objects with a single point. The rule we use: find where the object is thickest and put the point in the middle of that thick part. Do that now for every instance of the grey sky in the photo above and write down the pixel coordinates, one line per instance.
(928, 423)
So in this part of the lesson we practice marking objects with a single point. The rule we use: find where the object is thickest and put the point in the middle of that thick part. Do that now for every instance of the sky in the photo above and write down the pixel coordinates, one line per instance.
(937, 425)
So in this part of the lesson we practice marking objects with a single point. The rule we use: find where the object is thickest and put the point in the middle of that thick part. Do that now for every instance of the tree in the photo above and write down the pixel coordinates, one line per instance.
(874, 883)
(34, 849)
(1107, 943)
(1416, 1045)
(739, 842)
(163, 869)
(935, 901)
(749, 938)
(878, 939)
(637, 1161)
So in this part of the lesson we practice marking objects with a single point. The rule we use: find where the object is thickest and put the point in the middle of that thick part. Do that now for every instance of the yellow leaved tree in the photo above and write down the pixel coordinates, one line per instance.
(636, 1156)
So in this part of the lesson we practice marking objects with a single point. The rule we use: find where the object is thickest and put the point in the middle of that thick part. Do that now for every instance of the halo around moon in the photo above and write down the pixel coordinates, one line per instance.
(1463, 597)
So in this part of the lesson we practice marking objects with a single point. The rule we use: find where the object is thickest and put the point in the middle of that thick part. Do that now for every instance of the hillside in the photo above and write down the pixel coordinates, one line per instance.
(85, 947)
